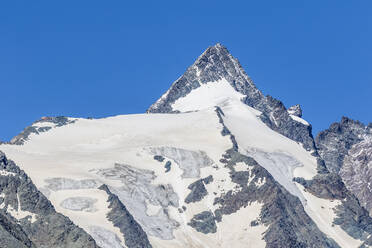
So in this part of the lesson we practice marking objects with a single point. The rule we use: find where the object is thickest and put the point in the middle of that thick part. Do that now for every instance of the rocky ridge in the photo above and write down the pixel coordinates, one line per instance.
(217, 63)
(28, 219)
(346, 148)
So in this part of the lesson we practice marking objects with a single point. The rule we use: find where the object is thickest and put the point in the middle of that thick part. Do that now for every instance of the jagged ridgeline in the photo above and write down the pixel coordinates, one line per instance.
(213, 163)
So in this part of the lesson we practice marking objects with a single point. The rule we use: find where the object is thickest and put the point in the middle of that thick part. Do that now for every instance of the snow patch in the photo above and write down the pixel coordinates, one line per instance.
(207, 95)
(20, 214)
(299, 119)
(7, 173)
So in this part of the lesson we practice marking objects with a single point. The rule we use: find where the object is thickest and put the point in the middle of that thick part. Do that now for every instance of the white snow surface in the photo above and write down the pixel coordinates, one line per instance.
(78, 151)
(20, 214)
(282, 157)
(7, 173)
(206, 96)
(299, 119)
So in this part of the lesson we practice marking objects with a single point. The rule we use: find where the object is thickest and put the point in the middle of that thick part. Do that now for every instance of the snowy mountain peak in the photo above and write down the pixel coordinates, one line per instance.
(216, 78)
(233, 169)
(215, 64)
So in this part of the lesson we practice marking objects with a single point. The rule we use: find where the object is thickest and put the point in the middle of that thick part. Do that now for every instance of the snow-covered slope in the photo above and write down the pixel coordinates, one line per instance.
(70, 162)
(213, 164)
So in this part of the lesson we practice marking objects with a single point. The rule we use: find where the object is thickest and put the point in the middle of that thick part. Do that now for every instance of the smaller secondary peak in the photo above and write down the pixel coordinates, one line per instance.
(295, 110)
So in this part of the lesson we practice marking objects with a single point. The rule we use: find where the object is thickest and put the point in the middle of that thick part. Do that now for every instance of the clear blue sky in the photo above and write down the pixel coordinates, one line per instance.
(101, 58)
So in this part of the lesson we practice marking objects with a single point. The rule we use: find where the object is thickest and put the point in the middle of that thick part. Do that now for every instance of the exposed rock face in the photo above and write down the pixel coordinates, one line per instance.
(346, 148)
(204, 222)
(217, 63)
(252, 187)
(289, 225)
(295, 110)
(28, 219)
(334, 143)
(356, 172)
(351, 216)
(12, 234)
(43, 125)
(198, 190)
(283, 213)
(140, 181)
(214, 64)
(133, 233)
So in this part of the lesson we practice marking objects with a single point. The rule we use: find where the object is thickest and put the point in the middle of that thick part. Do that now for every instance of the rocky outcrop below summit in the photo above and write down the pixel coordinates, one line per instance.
(40, 126)
(28, 219)
(133, 233)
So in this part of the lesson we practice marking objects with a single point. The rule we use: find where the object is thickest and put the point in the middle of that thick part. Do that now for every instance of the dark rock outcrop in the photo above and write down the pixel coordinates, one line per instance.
(334, 143)
(204, 222)
(133, 233)
(346, 148)
(351, 216)
(198, 190)
(34, 129)
(288, 224)
(12, 234)
(295, 110)
(42, 226)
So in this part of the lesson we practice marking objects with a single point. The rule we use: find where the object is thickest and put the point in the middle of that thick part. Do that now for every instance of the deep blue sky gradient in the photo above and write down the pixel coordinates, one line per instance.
(101, 58)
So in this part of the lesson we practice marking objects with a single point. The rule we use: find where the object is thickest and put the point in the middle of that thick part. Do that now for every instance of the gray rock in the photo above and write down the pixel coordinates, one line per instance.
(225, 131)
(204, 222)
(133, 233)
(288, 224)
(295, 110)
(217, 63)
(334, 143)
(198, 190)
(283, 213)
(346, 149)
(167, 166)
(214, 64)
(351, 216)
(33, 129)
(356, 172)
(49, 229)
(12, 234)
(159, 158)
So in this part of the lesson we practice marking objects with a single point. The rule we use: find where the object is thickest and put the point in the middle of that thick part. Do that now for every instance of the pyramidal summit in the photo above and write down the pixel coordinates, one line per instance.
(212, 163)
